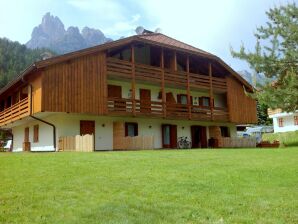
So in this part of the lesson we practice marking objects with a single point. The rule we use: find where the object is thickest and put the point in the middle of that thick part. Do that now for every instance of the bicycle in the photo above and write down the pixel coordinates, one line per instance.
(183, 143)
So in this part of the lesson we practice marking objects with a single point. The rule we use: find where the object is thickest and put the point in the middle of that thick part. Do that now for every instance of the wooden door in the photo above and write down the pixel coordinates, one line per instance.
(26, 135)
(203, 137)
(198, 137)
(145, 100)
(169, 136)
(87, 127)
(173, 136)
(115, 93)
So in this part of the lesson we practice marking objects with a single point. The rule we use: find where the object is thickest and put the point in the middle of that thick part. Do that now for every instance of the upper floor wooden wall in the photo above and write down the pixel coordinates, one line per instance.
(76, 86)
(242, 108)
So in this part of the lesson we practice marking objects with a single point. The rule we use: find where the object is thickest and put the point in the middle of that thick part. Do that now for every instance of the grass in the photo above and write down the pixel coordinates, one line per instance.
(191, 186)
(286, 138)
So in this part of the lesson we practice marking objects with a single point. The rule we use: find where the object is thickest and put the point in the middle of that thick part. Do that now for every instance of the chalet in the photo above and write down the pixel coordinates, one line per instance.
(283, 121)
(144, 85)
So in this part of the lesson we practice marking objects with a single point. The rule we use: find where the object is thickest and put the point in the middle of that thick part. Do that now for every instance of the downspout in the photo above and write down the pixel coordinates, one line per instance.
(38, 119)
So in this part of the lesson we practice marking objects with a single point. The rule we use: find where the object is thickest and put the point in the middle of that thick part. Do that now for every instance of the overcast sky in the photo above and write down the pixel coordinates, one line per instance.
(212, 25)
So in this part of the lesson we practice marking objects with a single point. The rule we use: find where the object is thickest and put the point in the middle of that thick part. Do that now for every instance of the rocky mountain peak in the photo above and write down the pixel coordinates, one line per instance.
(52, 34)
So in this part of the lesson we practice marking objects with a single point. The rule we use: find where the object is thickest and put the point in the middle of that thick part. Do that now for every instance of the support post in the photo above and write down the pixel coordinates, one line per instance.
(211, 91)
(188, 88)
(133, 82)
(164, 109)
(175, 61)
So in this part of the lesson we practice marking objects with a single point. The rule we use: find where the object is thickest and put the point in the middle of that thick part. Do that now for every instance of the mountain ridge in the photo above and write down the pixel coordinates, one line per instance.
(52, 34)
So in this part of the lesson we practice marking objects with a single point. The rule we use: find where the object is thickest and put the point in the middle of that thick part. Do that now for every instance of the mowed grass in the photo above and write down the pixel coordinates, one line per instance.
(191, 186)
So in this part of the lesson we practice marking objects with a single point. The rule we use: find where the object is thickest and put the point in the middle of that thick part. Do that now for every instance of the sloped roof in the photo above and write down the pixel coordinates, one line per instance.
(166, 40)
(151, 38)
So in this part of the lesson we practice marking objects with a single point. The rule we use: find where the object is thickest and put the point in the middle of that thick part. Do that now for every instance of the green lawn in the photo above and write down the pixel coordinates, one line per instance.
(191, 186)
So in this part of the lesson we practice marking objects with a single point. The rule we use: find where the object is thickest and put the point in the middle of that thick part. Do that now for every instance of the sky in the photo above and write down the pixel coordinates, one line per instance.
(211, 25)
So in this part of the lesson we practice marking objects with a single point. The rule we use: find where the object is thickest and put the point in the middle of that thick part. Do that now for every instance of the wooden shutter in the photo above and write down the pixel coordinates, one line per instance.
(36, 133)
(26, 135)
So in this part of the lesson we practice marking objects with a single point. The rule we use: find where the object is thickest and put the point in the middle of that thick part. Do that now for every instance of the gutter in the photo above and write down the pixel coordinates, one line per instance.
(38, 119)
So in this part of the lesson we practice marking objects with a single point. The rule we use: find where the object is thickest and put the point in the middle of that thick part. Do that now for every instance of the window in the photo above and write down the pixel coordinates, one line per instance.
(35, 133)
(224, 131)
(295, 120)
(280, 122)
(182, 98)
(205, 101)
(131, 129)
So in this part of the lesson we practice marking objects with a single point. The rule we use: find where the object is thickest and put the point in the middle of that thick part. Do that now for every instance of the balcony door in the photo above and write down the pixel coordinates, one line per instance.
(145, 100)
(198, 137)
(115, 95)
(169, 136)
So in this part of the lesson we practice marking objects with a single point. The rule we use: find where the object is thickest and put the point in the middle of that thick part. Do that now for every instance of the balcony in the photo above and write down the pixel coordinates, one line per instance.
(123, 70)
(125, 107)
(15, 112)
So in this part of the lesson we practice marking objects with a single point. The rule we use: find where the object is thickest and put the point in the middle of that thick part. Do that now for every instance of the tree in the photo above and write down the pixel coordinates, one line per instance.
(15, 57)
(276, 56)
(263, 118)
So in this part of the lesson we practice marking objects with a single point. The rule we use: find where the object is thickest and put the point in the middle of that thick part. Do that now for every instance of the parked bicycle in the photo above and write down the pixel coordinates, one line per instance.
(183, 143)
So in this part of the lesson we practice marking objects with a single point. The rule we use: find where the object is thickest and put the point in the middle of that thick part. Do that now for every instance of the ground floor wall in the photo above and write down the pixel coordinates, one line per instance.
(69, 125)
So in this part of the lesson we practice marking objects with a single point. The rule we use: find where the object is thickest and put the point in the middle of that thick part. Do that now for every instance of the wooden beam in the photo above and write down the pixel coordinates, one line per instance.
(133, 82)
(164, 109)
(211, 90)
(188, 88)
(175, 61)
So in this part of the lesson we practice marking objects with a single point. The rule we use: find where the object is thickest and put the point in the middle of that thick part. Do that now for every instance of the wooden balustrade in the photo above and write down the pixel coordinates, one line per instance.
(120, 106)
(123, 69)
(15, 112)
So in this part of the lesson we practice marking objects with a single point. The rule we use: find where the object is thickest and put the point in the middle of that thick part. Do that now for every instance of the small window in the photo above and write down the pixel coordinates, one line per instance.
(224, 131)
(131, 129)
(36, 133)
(295, 120)
(280, 122)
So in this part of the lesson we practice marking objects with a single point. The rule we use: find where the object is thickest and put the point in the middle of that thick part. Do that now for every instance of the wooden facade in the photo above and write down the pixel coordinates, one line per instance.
(79, 84)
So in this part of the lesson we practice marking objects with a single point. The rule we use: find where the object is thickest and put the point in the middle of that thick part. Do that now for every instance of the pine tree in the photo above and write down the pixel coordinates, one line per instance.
(276, 56)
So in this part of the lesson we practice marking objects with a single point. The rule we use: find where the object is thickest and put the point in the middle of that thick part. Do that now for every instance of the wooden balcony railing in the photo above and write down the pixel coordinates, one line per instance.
(123, 69)
(15, 112)
(120, 106)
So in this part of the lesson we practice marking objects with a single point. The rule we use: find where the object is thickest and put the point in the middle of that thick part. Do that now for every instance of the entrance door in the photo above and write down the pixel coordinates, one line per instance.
(198, 137)
(145, 100)
(87, 127)
(169, 136)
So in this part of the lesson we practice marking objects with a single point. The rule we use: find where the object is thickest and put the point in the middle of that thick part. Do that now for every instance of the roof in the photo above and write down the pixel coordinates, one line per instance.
(150, 38)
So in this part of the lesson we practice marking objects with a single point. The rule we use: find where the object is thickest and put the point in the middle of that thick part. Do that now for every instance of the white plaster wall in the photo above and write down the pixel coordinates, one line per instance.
(288, 122)
(45, 141)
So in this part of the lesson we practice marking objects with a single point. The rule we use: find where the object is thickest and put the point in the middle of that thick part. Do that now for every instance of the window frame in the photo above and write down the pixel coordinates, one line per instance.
(296, 120)
(136, 129)
(280, 122)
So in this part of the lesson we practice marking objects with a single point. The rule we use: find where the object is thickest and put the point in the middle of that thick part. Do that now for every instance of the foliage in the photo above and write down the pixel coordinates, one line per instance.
(276, 56)
(182, 186)
(14, 58)
(263, 118)
(285, 138)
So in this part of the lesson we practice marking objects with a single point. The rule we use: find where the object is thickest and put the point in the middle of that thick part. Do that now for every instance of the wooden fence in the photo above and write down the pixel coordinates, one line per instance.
(77, 143)
(135, 143)
(238, 142)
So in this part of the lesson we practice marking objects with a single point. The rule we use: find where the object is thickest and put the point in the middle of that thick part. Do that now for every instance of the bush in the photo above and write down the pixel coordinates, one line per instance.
(289, 138)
